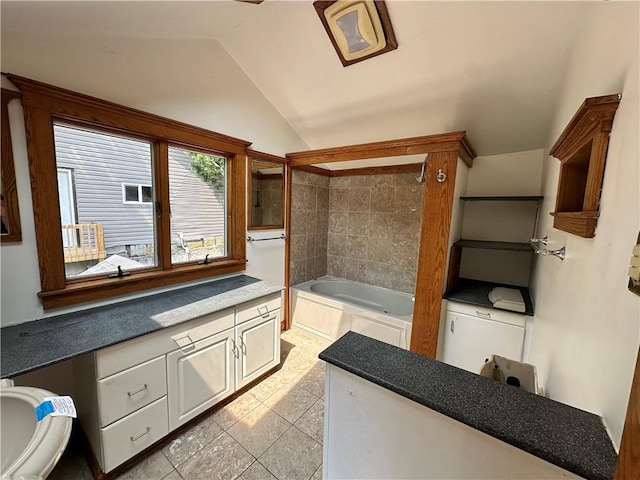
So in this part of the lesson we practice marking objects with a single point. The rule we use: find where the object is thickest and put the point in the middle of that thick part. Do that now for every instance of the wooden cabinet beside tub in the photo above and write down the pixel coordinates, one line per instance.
(137, 392)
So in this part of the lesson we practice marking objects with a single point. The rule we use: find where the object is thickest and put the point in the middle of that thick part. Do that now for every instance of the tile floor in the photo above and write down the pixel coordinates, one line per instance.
(273, 431)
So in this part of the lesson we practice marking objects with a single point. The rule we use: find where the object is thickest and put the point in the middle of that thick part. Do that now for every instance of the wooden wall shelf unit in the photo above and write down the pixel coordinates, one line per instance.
(473, 290)
(582, 151)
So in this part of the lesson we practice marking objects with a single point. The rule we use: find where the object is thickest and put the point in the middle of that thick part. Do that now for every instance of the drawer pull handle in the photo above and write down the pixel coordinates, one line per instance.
(243, 346)
(138, 437)
(482, 314)
(141, 389)
(266, 311)
(234, 348)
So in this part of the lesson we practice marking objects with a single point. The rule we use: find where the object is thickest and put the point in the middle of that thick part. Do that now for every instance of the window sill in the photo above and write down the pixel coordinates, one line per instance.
(75, 293)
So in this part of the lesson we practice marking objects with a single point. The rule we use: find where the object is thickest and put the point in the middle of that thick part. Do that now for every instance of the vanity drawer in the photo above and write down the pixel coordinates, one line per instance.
(119, 357)
(126, 392)
(262, 307)
(129, 436)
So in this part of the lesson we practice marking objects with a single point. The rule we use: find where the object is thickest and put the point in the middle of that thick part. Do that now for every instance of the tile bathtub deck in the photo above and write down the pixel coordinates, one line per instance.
(273, 431)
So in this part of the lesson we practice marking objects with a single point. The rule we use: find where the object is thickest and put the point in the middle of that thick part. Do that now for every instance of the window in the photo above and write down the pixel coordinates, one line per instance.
(105, 194)
(198, 205)
(149, 201)
(137, 193)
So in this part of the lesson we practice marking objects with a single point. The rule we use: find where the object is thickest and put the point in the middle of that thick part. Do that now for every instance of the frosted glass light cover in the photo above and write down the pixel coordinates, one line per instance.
(356, 28)
(349, 25)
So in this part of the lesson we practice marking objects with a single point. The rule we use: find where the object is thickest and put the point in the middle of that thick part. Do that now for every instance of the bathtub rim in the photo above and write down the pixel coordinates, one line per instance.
(340, 303)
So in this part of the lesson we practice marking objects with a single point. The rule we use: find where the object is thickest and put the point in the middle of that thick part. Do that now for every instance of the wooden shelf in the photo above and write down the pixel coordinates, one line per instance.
(488, 245)
(527, 198)
(582, 151)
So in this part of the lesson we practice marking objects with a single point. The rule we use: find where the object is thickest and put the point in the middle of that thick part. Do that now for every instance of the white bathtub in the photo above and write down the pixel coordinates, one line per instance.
(330, 307)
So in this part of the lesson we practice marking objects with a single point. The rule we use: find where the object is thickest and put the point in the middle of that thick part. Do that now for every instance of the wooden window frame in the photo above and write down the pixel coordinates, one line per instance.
(43, 104)
(9, 186)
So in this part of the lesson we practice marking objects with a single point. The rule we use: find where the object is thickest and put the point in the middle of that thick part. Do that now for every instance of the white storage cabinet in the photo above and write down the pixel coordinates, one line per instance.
(138, 391)
(472, 334)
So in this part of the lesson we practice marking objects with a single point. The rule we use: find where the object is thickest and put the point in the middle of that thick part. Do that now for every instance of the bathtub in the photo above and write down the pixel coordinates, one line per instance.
(330, 307)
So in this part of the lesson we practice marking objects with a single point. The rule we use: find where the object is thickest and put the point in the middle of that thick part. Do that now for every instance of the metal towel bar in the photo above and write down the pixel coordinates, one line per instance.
(251, 239)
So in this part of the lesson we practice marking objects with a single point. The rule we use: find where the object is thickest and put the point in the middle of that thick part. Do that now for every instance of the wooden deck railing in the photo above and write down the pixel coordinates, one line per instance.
(83, 242)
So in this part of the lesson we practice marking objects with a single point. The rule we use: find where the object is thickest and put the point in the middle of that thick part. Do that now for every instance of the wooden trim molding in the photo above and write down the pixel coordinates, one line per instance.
(347, 172)
(628, 466)
(317, 170)
(432, 257)
(65, 103)
(582, 151)
(7, 167)
(443, 142)
(287, 246)
(265, 156)
(44, 104)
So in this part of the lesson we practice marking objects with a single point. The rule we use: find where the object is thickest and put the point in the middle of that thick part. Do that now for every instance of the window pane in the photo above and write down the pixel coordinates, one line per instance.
(147, 194)
(198, 205)
(100, 232)
(130, 193)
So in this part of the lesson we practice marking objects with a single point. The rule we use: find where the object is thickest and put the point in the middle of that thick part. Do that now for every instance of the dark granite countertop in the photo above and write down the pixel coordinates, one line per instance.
(476, 292)
(562, 435)
(32, 345)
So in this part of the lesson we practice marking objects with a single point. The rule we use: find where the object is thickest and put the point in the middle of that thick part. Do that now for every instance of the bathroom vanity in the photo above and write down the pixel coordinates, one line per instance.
(150, 365)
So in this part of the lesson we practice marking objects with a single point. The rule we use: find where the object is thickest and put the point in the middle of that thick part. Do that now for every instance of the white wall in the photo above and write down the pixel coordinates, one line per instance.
(517, 173)
(587, 324)
(193, 81)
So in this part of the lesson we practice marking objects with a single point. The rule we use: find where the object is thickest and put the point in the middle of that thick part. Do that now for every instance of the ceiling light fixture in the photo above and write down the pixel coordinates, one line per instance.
(358, 29)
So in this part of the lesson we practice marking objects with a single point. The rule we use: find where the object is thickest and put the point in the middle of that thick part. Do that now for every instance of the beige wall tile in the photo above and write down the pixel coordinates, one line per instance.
(356, 247)
(359, 199)
(358, 223)
(338, 222)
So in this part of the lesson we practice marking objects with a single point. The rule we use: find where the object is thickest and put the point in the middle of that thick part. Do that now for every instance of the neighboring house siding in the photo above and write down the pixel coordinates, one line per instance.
(102, 163)
(197, 209)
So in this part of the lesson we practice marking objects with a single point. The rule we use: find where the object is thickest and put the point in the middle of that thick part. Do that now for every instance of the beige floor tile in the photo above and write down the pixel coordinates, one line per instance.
(222, 459)
(154, 467)
(228, 415)
(173, 476)
(268, 387)
(257, 431)
(290, 402)
(313, 380)
(312, 422)
(256, 472)
(189, 442)
(318, 474)
(294, 456)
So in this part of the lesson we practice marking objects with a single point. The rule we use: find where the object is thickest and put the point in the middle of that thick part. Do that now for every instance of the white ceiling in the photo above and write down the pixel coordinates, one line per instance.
(494, 69)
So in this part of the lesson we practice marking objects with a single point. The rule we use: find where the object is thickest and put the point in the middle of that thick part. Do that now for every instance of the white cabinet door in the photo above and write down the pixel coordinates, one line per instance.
(258, 342)
(468, 341)
(199, 375)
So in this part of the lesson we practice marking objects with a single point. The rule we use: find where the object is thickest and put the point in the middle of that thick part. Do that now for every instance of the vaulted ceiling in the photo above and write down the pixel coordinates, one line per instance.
(494, 69)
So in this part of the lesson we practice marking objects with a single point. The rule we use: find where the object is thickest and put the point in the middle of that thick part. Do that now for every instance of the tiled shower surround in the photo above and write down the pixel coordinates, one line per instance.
(373, 229)
(309, 226)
